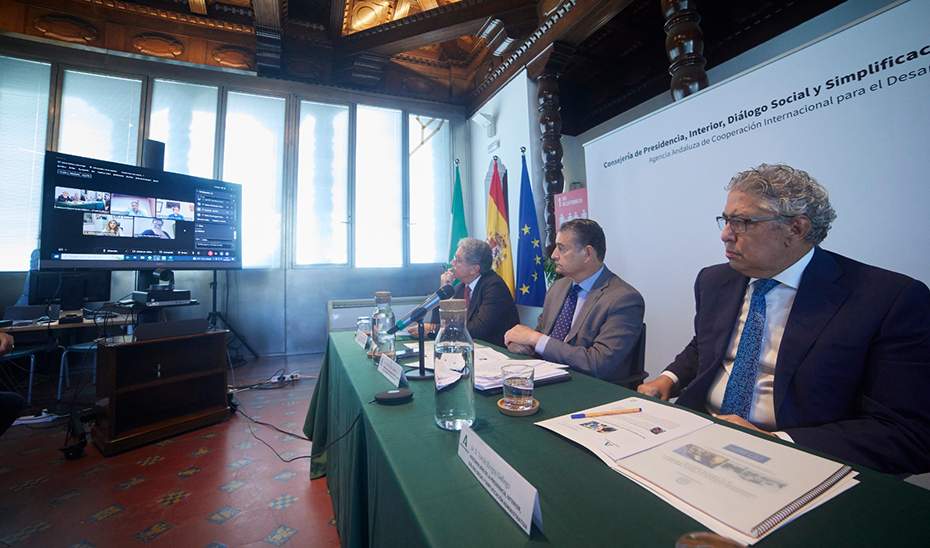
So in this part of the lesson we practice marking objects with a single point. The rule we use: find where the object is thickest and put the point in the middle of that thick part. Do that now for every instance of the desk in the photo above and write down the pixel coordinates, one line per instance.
(101, 323)
(396, 478)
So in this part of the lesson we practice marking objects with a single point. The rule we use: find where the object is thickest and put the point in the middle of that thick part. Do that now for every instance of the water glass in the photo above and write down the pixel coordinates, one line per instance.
(518, 386)
(363, 324)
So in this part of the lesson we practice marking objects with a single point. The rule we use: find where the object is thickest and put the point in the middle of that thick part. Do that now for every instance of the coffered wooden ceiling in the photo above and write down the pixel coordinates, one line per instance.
(609, 54)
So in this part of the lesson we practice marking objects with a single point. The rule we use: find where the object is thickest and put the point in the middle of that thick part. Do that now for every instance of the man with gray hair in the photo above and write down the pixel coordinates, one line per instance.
(805, 344)
(490, 307)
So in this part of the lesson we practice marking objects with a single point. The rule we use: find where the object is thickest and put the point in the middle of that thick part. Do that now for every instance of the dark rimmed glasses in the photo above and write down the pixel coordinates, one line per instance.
(739, 225)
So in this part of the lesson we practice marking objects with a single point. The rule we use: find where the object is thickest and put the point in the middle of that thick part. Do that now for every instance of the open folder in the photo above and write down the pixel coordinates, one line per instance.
(738, 485)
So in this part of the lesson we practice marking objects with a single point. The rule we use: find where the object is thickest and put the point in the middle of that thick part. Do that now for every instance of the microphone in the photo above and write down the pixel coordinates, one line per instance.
(417, 313)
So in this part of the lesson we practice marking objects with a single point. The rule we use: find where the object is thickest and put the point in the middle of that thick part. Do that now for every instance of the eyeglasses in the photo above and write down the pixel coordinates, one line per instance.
(739, 226)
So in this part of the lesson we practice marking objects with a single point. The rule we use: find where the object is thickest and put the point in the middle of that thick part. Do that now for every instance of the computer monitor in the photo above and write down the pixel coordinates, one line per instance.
(106, 216)
(70, 289)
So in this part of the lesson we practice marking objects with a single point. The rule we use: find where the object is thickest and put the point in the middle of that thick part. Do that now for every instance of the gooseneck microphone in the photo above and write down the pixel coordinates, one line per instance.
(417, 313)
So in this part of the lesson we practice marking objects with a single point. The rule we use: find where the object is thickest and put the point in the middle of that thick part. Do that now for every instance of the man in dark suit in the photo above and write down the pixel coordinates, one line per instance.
(804, 344)
(591, 319)
(491, 310)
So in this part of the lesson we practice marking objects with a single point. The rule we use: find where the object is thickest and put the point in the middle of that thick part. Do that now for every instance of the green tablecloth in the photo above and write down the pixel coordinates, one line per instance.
(396, 478)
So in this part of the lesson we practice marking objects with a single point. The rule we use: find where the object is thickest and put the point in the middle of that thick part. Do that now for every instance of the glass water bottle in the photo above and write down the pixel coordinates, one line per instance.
(453, 361)
(382, 319)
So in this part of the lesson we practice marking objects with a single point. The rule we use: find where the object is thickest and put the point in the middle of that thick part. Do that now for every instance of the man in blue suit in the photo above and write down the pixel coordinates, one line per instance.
(802, 343)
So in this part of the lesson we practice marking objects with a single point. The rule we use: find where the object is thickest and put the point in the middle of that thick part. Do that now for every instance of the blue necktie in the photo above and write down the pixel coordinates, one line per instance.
(737, 400)
(563, 323)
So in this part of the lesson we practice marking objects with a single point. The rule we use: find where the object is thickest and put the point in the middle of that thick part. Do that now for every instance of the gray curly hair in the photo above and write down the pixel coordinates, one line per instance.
(789, 192)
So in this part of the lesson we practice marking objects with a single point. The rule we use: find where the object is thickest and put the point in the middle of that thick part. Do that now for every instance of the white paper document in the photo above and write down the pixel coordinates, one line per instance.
(613, 437)
(738, 485)
(488, 363)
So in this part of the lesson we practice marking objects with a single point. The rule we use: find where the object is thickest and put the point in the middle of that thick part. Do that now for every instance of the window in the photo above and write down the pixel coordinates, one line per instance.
(23, 118)
(321, 213)
(253, 156)
(100, 116)
(430, 189)
(184, 118)
(378, 188)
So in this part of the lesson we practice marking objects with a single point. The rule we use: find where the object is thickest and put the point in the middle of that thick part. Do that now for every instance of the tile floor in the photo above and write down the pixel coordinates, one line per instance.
(217, 486)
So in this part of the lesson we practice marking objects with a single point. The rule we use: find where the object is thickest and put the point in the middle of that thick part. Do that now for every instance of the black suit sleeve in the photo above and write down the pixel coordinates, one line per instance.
(495, 311)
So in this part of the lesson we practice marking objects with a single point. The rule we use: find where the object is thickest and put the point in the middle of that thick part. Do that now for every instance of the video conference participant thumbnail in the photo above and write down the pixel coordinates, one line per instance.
(99, 224)
(802, 343)
(160, 228)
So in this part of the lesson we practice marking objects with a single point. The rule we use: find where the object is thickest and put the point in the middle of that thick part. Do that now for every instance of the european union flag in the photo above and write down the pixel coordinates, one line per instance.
(531, 280)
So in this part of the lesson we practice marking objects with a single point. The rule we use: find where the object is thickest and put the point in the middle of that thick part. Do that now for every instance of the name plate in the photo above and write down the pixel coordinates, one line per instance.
(361, 338)
(515, 495)
(392, 370)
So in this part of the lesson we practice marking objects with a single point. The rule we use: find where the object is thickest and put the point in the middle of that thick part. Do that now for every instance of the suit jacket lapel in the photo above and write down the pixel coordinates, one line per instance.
(815, 304)
(726, 296)
(475, 299)
(557, 293)
(596, 291)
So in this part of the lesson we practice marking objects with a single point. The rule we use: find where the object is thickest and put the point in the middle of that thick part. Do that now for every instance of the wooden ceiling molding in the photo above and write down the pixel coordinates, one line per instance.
(607, 55)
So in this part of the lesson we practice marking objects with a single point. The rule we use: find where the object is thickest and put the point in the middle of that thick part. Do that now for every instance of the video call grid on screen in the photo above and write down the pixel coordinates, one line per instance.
(103, 215)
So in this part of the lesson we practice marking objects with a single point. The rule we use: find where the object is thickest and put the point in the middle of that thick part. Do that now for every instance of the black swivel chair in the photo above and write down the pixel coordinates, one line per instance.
(638, 371)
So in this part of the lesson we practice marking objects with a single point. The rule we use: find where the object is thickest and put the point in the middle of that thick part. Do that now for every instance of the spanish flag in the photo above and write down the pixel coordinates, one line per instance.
(499, 231)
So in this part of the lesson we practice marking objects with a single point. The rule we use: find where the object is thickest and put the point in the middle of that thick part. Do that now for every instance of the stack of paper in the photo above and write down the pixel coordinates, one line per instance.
(488, 372)
(488, 363)
(738, 485)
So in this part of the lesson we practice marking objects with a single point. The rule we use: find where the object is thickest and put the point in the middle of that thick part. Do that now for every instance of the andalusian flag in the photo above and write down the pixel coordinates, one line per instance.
(457, 228)
(499, 232)
(531, 279)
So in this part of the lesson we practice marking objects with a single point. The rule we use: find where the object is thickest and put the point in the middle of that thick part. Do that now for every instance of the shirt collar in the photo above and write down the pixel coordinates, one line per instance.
(473, 284)
(791, 276)
(588, 283)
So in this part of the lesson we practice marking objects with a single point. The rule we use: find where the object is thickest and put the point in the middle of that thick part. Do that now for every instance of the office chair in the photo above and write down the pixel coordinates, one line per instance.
(638, 371)
(64, 374)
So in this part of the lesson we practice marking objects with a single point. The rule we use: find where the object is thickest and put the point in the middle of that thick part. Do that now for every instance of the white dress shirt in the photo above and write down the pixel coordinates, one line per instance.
(778, 303)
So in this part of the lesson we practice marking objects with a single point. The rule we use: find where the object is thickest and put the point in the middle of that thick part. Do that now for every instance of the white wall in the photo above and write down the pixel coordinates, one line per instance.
(517, 125)
(866, 150)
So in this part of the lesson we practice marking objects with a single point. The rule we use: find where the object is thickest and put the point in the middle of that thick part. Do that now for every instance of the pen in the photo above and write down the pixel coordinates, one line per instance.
(602, 413)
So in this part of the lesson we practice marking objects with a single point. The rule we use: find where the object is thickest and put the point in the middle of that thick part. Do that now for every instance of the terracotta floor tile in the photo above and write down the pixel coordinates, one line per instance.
(109, 501)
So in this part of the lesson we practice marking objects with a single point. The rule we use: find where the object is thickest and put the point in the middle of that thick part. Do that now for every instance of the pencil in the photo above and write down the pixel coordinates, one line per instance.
(602, 413)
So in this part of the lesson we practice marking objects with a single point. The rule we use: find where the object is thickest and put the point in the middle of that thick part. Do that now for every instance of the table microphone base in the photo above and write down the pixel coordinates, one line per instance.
(417, 375)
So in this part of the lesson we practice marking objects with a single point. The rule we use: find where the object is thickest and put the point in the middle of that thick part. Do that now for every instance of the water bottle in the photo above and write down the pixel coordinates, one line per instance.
(454, 362)
(382, 319)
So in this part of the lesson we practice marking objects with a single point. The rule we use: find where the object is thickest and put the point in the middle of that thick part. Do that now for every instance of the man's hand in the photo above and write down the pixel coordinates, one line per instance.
(414, 330)
(446, 278)
(660, 388)
(522, 336)
(6, 343)
(736, 419)
(521, 349)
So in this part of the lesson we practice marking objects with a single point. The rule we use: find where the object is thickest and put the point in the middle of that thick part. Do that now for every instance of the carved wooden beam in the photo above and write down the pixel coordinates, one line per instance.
(684, 44)
(268, 48)
(429, 27)
(570, 22)
(504, 30)
(337, 17)
(545, 69)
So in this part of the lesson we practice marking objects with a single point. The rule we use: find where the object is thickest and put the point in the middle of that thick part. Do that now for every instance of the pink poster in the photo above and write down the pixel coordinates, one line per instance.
(571, 205)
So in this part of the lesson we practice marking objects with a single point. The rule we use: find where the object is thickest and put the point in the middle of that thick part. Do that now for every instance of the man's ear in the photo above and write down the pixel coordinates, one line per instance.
(800, 226)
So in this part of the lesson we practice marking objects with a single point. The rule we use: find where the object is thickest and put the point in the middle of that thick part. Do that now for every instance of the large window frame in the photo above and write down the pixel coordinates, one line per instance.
(148, 71)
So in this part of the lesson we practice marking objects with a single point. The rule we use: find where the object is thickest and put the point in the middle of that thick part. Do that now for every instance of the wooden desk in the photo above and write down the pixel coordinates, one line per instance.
(120, 320)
